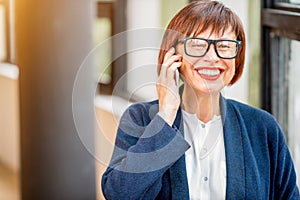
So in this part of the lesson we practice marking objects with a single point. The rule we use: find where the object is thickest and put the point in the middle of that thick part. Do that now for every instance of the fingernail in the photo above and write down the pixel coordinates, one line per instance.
(172, 50)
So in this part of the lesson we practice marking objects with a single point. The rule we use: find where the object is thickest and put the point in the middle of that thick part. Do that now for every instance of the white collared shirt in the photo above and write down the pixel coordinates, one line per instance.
(205, 160)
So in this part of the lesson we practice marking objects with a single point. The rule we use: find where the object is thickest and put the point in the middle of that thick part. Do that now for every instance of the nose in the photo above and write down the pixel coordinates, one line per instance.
(211, 54)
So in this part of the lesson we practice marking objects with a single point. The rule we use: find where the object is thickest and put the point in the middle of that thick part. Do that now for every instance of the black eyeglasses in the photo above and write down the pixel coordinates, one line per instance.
(198, 47)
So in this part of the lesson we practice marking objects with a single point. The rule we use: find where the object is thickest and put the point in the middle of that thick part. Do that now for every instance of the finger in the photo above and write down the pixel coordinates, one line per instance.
(172, 59)
(172, 70)
(167, 74)
(174, 66)
(163, 70)
(165, 66)
(169, 53)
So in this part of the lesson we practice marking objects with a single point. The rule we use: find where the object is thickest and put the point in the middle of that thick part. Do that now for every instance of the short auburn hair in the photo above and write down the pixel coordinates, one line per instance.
(197, 17)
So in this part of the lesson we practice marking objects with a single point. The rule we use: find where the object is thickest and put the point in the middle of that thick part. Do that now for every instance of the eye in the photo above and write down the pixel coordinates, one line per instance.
(196, 43)
(224, 45)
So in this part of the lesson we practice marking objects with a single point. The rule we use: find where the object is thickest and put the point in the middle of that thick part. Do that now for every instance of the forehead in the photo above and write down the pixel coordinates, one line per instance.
(212, 33)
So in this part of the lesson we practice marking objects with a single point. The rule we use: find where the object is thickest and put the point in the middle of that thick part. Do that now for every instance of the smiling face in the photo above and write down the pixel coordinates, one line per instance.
(208, 74)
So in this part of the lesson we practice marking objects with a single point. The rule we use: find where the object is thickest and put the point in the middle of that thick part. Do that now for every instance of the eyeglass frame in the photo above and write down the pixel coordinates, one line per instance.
(209, 41)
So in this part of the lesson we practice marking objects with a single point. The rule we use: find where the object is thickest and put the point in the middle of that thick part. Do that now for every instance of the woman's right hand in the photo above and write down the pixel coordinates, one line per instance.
(167, 87)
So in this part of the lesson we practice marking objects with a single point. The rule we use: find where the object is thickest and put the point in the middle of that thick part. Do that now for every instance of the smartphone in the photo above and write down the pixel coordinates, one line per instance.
(177, 77)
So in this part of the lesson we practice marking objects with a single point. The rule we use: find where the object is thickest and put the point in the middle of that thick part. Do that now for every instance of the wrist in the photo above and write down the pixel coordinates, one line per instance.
(168, 115)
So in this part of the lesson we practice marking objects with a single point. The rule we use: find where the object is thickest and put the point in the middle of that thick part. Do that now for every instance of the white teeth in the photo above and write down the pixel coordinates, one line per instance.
(209, 72)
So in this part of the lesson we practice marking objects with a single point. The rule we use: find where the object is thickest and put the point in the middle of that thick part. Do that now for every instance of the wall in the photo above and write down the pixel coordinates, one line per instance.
(108, 110)
(293, 136)
(106, 127)
(9, 116)
(143, 24)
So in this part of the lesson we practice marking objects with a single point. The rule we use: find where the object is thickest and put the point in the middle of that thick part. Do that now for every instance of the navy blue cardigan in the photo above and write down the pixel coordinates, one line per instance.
(148, 161)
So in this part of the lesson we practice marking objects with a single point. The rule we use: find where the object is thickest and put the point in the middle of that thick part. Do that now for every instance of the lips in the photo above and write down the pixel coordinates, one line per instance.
(209, 73)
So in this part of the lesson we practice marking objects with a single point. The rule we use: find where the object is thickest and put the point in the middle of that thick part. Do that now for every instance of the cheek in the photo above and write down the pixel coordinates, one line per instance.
(190, 60)
(187, 64)
(230, 70)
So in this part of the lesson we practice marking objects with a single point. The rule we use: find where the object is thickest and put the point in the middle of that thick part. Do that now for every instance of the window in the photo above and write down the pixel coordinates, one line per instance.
(294, 1)
(103, 31)
(110, 20)
(280, 68)
(4, 31)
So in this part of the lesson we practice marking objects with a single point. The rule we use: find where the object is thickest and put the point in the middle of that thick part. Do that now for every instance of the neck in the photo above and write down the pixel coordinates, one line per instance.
(204, 105)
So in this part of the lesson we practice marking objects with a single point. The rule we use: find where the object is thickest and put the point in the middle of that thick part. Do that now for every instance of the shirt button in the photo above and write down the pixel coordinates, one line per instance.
(203, 125)
(205, 178)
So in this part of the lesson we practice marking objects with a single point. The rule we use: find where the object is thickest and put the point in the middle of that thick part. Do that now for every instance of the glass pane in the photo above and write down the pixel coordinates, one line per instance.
(290, 1)
(2, 34)
(294, 104)
(102, 31)
(294, 1)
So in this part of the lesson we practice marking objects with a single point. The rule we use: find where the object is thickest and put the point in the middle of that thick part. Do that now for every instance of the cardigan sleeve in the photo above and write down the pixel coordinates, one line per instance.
(144, 150)
(286, 187)
(283, 171)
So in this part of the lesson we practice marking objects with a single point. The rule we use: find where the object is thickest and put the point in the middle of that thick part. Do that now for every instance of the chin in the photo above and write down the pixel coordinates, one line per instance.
(209, 88)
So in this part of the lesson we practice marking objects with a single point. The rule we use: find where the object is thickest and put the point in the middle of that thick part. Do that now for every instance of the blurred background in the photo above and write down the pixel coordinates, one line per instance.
(69, 68)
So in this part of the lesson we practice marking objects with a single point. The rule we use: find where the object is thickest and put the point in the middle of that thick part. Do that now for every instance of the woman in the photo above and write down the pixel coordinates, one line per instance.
(195, 144)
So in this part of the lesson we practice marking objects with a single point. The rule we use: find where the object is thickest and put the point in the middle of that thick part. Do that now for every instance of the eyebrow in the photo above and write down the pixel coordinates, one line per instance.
(221, 38)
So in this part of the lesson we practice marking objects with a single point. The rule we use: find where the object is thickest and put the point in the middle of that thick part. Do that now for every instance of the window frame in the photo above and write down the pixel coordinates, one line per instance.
(279, 20)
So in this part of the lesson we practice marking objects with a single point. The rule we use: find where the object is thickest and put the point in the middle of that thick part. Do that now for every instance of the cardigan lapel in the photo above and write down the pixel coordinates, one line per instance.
(235, 168)
(178, 176)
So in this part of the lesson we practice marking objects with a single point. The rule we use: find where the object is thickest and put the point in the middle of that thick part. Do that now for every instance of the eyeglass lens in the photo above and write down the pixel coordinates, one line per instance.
(198, 47)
